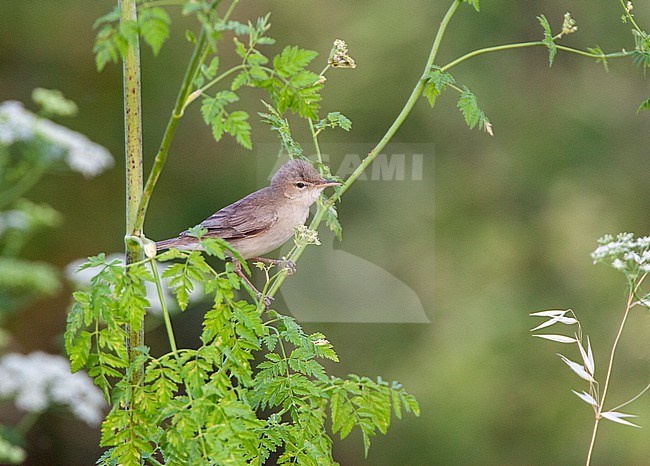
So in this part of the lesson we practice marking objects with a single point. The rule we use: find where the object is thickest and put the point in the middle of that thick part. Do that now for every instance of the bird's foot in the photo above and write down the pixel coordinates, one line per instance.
(265, 300)
(288, 265)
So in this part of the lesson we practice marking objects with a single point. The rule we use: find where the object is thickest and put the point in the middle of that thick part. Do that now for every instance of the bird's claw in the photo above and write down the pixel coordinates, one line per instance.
(289, 266)
(266, 300)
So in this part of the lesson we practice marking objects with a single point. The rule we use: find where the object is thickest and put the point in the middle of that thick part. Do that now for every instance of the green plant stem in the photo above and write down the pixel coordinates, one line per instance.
(177, 113)
(194, 95)
(158, 3)
(499, 48)
(629, 16)
(172, 123)
(601, 404)
(634, 398)
(133, 154)
(163, 306)
(314, 137)
(406, 110)
(26, 423)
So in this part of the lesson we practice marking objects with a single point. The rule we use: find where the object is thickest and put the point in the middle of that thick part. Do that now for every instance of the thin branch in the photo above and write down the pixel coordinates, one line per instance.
(161, 157)
(163, 306)
(634, 398)
(610, 365)
(500, 48)
(406, 110)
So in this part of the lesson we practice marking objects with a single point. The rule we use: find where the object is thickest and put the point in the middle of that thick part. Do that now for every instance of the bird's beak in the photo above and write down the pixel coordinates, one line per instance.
(323, 183)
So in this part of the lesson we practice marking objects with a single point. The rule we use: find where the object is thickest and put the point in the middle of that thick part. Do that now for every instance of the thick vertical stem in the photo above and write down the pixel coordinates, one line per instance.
(133, 154)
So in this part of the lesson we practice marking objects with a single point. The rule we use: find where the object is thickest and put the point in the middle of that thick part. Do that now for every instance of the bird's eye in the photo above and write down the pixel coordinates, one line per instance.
(300, 184)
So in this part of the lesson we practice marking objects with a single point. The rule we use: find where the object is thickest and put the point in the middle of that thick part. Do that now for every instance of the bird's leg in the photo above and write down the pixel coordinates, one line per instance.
(288, 265)
(266, 300)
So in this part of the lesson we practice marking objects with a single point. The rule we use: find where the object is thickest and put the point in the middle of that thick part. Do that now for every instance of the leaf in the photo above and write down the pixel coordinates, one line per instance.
(240, 80)
(189, 35)
(437, 81)
(210, 71)
(587, 398)
(332, 222)
(468, 105)
(292, 59)
(602, 59)
(439, 78)
(154, 26)
(548, 39)
(211, 107)
(281, 125)
(550, 313)
(334, 120)
(240, 48)
(618, 417)
(577, 368)
(558, 338)
(587, 356)
(237, 125)
(645, 105)
(105, 49)
(110, 17)
(79, 351)
(555, 320)
(474, 3)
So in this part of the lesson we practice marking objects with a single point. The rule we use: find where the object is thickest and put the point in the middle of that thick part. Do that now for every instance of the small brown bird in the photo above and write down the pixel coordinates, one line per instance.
(264, 220)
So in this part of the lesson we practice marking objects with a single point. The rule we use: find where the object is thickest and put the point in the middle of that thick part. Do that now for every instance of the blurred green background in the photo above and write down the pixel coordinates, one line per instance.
(498, 227)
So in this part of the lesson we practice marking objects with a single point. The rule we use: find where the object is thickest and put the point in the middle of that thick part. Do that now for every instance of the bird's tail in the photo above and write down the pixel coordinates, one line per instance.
(181, 242)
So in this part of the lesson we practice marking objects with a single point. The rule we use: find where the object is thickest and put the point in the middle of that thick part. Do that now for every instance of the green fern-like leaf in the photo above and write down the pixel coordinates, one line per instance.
(645, 105)
(237, 125)
(281, 125)
(474, 3)
(105, 49)
(436, 82)
(334, 120)
(292, 59)
(332, 222)
(548, 39)
(154, 27)
(602, 59)
(468, 105)
(211, 107)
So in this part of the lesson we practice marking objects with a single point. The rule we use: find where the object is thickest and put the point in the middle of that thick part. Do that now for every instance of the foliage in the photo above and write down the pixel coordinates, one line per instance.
(214, 403)
(32, 147)
(255, 387)
(549, 40)
(437, 80)
(631, 256)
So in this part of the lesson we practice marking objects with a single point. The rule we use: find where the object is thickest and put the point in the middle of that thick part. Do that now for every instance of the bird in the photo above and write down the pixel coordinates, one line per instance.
(265, 219)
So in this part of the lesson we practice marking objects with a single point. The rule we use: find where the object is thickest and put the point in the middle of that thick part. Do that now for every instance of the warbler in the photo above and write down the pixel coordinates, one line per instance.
(264, 220)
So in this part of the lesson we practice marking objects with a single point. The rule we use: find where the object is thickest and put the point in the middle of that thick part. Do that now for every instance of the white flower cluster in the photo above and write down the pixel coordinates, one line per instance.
(81, 154)
(339, 56)
(37, 380)
(569, 24)
(303, 235)
(624, 253)
(13, 220)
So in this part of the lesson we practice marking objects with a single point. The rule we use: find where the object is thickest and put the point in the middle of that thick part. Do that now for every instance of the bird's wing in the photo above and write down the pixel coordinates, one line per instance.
(247, 217)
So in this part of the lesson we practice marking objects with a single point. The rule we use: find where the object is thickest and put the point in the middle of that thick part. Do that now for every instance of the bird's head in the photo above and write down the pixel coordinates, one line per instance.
(300, 181)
